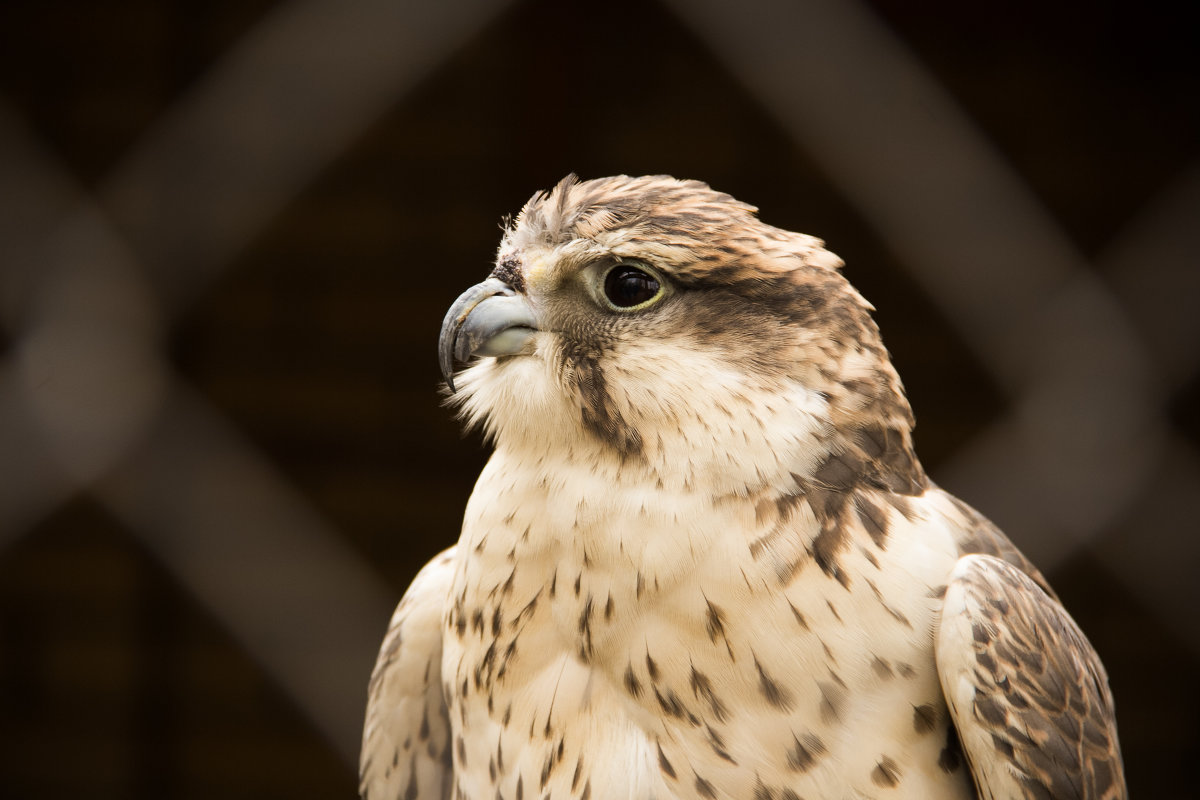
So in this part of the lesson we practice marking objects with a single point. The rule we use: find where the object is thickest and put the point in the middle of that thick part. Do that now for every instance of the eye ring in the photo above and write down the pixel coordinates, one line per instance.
(630, 286)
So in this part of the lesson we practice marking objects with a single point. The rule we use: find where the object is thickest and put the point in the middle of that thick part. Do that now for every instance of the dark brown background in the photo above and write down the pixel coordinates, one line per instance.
(313, 336)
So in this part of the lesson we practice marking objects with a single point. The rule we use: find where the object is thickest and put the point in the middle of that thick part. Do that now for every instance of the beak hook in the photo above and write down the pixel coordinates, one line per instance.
(488, 319)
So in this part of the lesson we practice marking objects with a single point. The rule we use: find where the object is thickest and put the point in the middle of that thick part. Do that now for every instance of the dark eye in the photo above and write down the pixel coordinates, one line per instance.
(628, 287)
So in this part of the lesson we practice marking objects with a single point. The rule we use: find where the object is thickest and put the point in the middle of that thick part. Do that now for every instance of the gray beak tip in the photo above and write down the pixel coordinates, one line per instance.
(446, 363)
(487, 319)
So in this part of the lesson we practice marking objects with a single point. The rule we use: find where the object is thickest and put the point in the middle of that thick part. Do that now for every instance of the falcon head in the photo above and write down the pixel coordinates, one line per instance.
(655, 323)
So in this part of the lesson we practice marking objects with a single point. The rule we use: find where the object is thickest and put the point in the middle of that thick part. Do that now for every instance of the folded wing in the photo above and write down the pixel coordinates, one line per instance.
(1026, 691)
(406, 736)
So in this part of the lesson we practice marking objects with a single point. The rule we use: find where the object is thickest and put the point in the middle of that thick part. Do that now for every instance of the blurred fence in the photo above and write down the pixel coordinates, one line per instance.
(94, 278)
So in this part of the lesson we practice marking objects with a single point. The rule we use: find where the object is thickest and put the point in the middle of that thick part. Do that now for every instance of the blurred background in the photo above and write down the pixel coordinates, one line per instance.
(229, 230)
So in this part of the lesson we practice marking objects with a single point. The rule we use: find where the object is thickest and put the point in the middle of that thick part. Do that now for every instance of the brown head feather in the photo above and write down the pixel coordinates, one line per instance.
(775, 300)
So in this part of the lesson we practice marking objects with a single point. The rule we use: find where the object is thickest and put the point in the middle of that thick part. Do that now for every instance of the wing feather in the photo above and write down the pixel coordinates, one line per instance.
(1026, 690)
(406, 736)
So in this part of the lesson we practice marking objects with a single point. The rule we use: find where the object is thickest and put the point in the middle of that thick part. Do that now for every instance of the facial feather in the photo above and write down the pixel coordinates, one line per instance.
(759, 333)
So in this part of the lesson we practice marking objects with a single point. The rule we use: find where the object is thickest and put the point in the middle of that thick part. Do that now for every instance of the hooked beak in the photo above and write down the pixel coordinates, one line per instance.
(489, 319)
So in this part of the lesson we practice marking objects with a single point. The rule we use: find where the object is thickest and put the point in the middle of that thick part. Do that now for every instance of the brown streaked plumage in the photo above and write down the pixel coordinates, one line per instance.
(704, 560)
(1029, 697)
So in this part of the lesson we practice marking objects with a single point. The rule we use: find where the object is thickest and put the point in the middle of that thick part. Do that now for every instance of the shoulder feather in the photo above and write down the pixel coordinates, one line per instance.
(406, 735)
(1026, 691)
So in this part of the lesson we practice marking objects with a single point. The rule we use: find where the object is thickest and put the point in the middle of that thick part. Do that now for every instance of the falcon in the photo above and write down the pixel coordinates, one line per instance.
(703, 560)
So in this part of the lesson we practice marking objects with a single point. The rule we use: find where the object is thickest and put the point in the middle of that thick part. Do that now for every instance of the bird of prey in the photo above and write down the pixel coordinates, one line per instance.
(703, 560)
